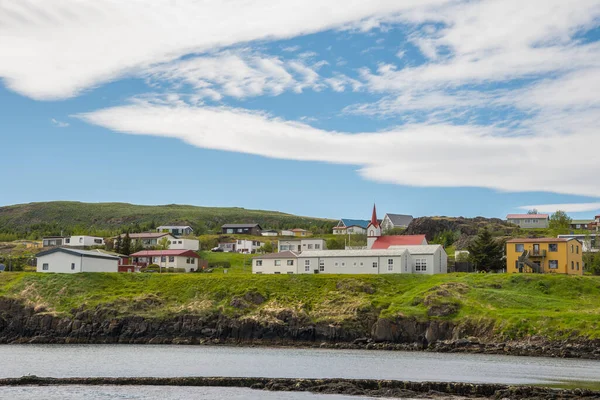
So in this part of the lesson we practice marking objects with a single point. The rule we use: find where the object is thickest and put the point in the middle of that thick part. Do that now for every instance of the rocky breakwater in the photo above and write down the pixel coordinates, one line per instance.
(24, 324)
(357, 387)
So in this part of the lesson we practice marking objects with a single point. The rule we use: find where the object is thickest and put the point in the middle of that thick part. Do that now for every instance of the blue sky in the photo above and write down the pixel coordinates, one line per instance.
(433, 107)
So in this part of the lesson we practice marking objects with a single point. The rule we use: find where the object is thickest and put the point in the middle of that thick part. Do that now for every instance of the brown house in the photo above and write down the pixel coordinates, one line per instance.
(241, 229)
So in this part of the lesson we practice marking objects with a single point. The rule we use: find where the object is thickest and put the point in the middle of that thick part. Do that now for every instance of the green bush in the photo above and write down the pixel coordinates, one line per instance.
(219, 264)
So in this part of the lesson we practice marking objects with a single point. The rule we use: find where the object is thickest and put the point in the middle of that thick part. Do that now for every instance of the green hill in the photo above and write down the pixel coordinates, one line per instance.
(34, 220)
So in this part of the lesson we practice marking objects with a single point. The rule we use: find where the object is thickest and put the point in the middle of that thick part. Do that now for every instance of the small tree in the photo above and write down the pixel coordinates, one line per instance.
(118, 244)
(266, 248)
(486, 253)
(533, 211)
(126, 245)
(163, 244)
(137, 246)
(560, 222)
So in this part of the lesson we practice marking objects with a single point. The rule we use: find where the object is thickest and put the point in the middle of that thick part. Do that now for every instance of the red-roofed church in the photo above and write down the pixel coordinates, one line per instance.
(376, 241)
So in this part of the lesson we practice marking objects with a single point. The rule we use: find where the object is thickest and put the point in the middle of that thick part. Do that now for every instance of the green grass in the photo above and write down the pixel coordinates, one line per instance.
(511, 306)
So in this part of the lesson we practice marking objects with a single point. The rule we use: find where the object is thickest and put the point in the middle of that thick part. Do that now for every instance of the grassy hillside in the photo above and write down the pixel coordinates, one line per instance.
(36, 219)
(511, 306)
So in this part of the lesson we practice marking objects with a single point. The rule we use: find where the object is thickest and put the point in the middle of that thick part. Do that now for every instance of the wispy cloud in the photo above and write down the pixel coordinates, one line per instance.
(441, 155)
(57, 50)
(568, 207)
(59, 124)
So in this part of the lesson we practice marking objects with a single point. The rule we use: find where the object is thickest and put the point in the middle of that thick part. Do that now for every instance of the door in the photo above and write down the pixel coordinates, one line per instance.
(536, 249)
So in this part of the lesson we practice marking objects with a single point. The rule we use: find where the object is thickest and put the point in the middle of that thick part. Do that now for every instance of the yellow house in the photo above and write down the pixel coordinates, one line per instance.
(544, 255)
(301, 232)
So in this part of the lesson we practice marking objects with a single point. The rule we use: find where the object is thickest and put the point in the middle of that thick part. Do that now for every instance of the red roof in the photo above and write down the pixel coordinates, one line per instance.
(384, 242)
(154, 253)
(527, 216)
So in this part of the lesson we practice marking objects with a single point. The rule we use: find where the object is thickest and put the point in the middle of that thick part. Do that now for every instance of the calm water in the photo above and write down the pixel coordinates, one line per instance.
(173, 361)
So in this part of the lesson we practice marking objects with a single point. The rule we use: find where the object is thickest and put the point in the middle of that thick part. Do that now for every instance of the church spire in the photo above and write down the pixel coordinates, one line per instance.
(374, 217)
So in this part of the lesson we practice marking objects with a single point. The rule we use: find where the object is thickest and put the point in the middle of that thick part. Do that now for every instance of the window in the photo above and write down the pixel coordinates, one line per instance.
(577, 249)
(336, 264)
(519, 247)
(572, 249)
(321, 265)
(343, 264)
(277, 263)
(99, 241)
(374, 264)
(290, 262)
(192, 260)
(240, 230)
(421, 264)
(317, 247)
(361, 264)
(310, 246)
(572, 265)
(163, 258)
(72, 266)
(171, 258)
(577, 265)
(553, 264)
(45, 267)
(187, 260)
(553, 247)
(390, 264)
(155, 259)
(306, 265)
(259, 263)
(258, 273)
(277, 272)
(180, 242)
(67, 240)
(290, 273)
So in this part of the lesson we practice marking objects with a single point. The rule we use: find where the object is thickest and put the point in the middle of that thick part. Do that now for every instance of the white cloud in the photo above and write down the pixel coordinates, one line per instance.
(568, 207)
(55, 50)
(441, 155)
(59, 124)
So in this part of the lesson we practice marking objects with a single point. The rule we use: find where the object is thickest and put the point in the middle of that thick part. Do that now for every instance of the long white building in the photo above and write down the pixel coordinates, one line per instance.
(71, 261)
(429, 260)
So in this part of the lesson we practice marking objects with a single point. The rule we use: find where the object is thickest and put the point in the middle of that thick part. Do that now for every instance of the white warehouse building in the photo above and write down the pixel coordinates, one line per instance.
(427, 259)
(70, 261)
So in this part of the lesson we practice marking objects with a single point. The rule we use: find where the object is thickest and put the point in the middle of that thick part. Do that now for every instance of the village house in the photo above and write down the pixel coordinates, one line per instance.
(70, 261)
(248, 246)
(351, 227)
(184, 244)
(392, 221)
(176, 230)
(185, 259)
(269, 232)
(301, 232)
(287, 232)
(590, 242)
(544, 255)
(528, 221)
(298, 245)
(377, 241)
(83, 241)
(583, 224)
(52, 241)
(430, 259)
(228, 246)
(148, 239)
(241, 229)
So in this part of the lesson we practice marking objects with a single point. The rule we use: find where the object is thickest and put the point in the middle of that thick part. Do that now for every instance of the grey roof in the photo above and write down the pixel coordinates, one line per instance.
(77, 252)
(400, 219)
(283, 254)
(239, 225)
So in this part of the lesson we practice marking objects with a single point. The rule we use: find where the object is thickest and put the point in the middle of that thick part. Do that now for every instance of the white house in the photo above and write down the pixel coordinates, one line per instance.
(351, 227)
(248, 246)
(185, 259)
(298, 245)
(184, 244)
(275, 263)
(391, 221)
(70, 261)
(589, 242)
(287, 232)
(83, 241)
(529, 220)
(176, 230)
(427, 260)
(149, 239)
(269, 232)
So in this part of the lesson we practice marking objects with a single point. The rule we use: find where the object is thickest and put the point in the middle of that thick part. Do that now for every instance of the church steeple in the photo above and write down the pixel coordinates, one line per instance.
(373, 229)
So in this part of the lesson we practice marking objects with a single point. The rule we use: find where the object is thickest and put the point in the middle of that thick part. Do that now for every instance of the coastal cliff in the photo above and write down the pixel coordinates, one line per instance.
(494, 314)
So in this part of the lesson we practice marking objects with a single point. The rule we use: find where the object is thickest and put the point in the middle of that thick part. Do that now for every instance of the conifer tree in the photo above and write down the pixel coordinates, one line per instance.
(486, 252)
(118, 243)
(126, 245)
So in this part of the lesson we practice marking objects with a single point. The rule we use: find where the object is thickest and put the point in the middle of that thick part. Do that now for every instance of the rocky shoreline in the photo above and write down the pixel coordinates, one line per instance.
(357, 387)
(21, 324)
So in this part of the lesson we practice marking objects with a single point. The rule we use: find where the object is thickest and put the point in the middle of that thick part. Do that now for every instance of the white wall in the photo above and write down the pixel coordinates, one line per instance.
(248, 246)
(287, 233)
(177, 262)
(268, 266)
(79, 241)
(356, 230)
(62, 263)
(353, 265)
(305, 244)
(437, 263)
(184, 244)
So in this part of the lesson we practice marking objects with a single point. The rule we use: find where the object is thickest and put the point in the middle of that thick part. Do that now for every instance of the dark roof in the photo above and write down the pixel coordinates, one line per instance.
(77, 252)
(240, 225)
(283, 254)
(400, 219)
(363, 223)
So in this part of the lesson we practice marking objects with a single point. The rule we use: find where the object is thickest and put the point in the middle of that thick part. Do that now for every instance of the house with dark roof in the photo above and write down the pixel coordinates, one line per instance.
(347, 226)
(241, 229)
(391, 221)
(70, 261)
